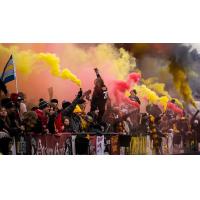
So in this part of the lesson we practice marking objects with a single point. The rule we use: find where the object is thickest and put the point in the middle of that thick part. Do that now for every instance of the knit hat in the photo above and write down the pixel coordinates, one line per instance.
(65, 104)
(54, 100)
(77, 109)
(43, 104)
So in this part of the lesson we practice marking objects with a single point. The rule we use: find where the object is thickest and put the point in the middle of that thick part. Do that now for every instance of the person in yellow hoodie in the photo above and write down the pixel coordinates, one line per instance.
(81, 113)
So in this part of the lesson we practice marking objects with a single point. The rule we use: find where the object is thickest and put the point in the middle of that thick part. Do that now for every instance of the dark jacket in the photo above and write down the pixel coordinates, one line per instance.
(75, 122)
(100, 94)
(51, 123)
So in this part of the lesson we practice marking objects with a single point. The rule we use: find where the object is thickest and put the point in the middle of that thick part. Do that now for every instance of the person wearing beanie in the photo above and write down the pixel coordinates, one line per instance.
(43, 104)
(42, 113)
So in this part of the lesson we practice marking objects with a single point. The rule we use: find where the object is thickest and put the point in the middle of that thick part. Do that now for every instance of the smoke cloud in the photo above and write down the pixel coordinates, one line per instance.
(166, 70)
(176, 65)
(34, 61)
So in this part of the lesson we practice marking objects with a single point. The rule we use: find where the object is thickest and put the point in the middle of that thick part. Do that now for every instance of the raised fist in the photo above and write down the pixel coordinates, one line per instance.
(96, 70)
(80, 93)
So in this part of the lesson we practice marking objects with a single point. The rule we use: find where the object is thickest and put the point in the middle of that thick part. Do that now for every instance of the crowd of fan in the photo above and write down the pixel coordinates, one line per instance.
(164, 128)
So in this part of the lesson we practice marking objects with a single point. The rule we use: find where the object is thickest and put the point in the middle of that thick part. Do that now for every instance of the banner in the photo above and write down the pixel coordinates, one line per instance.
(43, 145)
(80, 144)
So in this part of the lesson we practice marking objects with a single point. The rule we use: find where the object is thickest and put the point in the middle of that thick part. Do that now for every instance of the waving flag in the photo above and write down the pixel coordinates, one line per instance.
(9, 73)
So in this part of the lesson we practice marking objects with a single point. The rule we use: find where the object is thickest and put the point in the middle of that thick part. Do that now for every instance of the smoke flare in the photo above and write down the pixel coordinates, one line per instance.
(181, 82)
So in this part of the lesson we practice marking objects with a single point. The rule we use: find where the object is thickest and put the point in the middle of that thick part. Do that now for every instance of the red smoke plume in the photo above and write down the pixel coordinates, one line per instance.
(120, 87)
(174, 108)
(134, 78)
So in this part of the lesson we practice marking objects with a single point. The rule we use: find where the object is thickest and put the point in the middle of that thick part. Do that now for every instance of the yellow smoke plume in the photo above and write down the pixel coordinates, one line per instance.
(54, 63)
(120, 60)
(123, 63)
(152, 97)
(159, 88)
(144, 92)
(26, 61)
(106, 57)
(181, 82)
